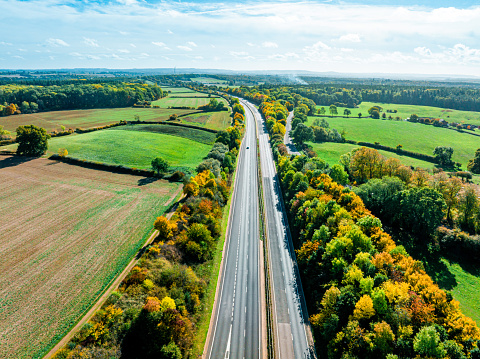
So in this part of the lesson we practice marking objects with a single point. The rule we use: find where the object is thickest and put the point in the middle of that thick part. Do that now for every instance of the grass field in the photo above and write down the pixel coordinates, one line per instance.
(331, 153)
(53, 120)
(66, 232)
(404, 111)
(413, 137)
(131, 148)
(208, 80)
(201, 136)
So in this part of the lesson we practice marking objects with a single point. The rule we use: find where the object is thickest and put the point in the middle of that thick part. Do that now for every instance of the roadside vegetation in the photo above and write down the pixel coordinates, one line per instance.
(366, 295)
(155, 310)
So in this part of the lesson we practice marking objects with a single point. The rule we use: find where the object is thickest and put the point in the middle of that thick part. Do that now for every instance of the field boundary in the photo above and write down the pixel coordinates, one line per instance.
(174, 124)
(116, 282)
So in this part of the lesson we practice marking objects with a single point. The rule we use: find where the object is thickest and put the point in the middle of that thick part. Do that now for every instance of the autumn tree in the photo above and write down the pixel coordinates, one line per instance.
(366, 163)
(164, 227)
(32, 140)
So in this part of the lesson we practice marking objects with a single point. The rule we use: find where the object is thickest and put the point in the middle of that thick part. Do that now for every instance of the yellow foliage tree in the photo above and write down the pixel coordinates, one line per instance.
(164, 227)
(364, 308)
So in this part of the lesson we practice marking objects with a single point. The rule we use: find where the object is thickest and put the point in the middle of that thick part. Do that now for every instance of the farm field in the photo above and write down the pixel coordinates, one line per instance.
(208, 80)
(413, 137)
(331, 153)
(201, 136)
(53, 120)
(66, 232)
(404, 111)
(131, 148)
(213, 120)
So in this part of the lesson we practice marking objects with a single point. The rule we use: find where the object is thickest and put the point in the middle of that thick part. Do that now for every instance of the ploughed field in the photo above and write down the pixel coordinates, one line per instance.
(53, 120)
(65, 233)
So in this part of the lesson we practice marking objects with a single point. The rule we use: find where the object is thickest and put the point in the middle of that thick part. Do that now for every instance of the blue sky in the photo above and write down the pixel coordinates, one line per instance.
(428, 37)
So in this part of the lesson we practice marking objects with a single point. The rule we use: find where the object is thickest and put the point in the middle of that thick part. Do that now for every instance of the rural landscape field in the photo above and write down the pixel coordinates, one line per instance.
(67, 232)
(241, 180)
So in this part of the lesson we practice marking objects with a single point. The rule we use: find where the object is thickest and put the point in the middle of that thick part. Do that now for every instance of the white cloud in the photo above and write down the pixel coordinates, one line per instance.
(18, 57)
(56, 42)
(270, 44)
(242, 55)
(184, 48)
(284, 57)
(133, 45)
(250, 44)
(123, 51)
(169, 32)
(90, 42)
(5, 43)
(160, 44)
(350, 38)
(191, 43)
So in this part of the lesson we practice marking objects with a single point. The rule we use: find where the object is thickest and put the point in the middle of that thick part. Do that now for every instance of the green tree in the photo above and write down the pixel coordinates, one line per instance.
(171, 351)
(469, 207)
(333, 110)
(413, 118)
(474, 164)
(238, 108)
(338, 174)
(427, 343)
(302, 133)
(359, 114)
(347, 112)
(443, 155)
(160, 165)
(419, 209)
(321, 111)
(32, 140)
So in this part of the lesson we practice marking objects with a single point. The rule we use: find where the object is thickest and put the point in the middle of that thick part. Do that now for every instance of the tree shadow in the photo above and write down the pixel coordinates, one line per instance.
(468, 264)
(147, 180)
(430, 257)
(12, 161)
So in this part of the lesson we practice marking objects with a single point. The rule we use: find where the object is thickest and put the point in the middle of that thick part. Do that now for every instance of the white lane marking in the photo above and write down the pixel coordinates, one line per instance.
(227, 352)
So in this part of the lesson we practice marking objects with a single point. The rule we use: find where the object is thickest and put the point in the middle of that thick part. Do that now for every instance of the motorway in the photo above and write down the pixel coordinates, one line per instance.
(292, 327)
(236, 327)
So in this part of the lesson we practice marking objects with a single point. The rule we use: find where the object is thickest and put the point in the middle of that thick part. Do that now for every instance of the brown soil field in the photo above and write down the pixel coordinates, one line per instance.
(65, 233)
(53, 120)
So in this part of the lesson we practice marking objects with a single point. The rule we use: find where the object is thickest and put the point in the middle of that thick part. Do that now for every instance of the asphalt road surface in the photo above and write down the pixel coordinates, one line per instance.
(238, 318)
(288, 139)
(292, 327)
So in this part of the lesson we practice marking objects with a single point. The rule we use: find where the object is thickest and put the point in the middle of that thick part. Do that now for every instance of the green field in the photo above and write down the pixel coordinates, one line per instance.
(53, 120)
(331, 153)
(208, 80)
(404, 111)
(187, 98)
(466, 288)
(201, 136)
(413, 137)
(131, 148)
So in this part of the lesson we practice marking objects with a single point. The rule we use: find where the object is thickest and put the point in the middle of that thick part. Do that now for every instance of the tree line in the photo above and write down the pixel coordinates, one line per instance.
(16, 99)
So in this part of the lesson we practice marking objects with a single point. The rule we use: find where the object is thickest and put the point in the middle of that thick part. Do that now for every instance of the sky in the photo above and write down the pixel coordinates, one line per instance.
(350, 36)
